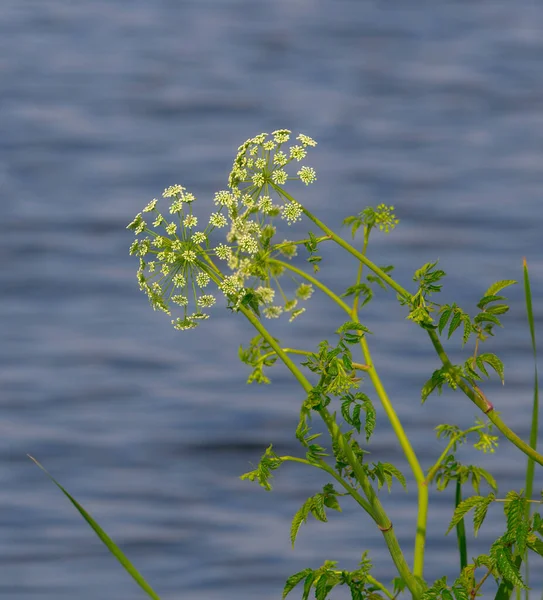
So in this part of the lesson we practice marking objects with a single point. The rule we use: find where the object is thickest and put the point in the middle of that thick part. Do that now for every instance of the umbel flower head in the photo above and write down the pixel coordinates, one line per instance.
(174, 266)
(260, 170)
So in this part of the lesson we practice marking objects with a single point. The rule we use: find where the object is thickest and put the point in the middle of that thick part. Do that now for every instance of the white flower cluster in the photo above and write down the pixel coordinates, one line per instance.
(174, 265)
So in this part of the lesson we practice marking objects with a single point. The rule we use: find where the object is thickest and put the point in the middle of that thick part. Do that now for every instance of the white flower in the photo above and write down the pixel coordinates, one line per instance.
(307, 175)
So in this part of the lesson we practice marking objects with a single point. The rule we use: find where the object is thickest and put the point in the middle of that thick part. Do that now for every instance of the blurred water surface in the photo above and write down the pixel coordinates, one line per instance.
(436, 108)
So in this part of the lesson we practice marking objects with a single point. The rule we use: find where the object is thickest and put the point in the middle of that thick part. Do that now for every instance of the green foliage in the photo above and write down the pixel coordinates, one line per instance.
(479, 503)
(427, 278)
(351, 405)
(176, 261)
(384, 472)
(439, 590)
(451, 470)
(258, 354)
(311, 246)
(324, 579)
(315, 505)
(263, 473)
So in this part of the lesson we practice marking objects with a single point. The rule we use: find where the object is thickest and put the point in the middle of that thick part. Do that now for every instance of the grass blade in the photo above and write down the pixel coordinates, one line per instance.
(530, 466)
(112, 547)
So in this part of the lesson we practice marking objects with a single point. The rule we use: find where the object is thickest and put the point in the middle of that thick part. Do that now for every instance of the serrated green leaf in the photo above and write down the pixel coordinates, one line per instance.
(487, 299)
(463, 508)
(445, 315)
(460, 592)
(505, 564)
(479, 513)
(299, 518)
(307, 584)
(317, 508)
(294, 580)
(535, 545)
(493, 361)
(486, 317)
(499, 285)
(498, 309)
(455, 323)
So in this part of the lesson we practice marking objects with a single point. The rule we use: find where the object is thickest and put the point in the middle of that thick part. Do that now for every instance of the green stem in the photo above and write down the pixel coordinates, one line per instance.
(422, 488)
(484, 406)
(314, 281)
(461, 529)
(376, 510)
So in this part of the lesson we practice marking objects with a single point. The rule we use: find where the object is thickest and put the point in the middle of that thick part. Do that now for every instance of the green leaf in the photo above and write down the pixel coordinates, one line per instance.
(498, 309)
(446, 313)
(463, 508)
(486, 317)
(307, 584)
(503, 559)
(294, 580)
(299, 518)
(479, 513)
(110, 544)
(456, 320)
(499, 285)
(487, 299)
(493, 361)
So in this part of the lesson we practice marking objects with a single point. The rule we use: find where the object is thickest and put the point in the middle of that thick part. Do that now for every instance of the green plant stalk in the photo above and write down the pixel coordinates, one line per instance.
(486, 407)
(479, 399)
(461, 529)
(377, 511)
(529, 486)
(326, 290)
(326, 467)
(379, 514)
(422, 487)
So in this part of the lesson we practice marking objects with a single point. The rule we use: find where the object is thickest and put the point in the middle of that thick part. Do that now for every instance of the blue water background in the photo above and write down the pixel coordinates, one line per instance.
(434, 107)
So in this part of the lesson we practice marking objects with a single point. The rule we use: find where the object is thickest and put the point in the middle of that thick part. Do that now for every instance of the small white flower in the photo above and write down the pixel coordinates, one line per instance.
(198, 237)
(230, 285)
(180, 299)
(223, 251)
(217, 220)
(202, 279)
(247, 243)
(172, 191)
(189, 256)
(179, 280)
(306, 140)
(206, 300)
(307, 175)
(190, 221)
(281, 135)
(279, 176)
(298, 152)
(304, 291)
(151, 205)
(273, 312)
(291, 212)
(266, 294)
(171, 228)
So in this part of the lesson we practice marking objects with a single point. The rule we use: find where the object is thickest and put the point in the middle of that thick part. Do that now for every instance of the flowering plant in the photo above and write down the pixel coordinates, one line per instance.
(180, 262)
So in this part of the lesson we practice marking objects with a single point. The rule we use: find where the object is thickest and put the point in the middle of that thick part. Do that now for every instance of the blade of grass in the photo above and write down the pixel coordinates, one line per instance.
(112, 547)
(504, 591)
(530, 466)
